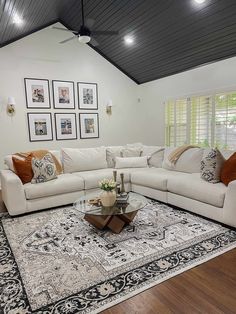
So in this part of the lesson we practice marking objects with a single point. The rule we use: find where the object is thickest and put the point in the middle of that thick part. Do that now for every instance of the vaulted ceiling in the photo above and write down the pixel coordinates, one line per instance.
(170, 36)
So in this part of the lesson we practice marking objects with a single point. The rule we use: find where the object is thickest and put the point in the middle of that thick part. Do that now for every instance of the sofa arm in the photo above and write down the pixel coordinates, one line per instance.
(229, 210)
(13, 194)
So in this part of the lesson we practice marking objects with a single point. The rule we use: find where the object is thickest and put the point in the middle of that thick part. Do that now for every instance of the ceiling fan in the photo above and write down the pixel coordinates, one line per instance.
(85, 34)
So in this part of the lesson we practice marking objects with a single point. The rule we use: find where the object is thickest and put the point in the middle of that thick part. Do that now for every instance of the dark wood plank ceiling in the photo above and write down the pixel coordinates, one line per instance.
(171, 36)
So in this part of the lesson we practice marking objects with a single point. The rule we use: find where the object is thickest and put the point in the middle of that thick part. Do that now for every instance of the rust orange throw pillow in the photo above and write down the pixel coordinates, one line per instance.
(23, 168)
(228, 172)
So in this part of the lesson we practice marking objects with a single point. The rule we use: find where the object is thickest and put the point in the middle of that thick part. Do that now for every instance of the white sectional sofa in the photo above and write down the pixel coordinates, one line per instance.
(179, 185)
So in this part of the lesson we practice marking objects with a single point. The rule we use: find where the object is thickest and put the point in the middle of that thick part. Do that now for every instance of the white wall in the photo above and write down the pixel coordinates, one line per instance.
(41, 56)
(219, 76)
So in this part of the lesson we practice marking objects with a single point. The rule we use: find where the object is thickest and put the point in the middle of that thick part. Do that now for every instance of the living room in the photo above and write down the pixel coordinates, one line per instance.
(117, 156)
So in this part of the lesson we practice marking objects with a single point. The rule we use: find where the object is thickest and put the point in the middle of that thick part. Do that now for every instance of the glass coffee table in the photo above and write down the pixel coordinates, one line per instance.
(115, 217)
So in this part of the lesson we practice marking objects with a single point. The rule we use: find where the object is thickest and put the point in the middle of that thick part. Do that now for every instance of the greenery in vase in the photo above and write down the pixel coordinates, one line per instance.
(107, 184)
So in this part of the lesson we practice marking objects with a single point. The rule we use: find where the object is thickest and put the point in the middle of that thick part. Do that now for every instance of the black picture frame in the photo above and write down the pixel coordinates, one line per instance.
(80, 125)
(53, 93)
(76, 130)
(79, 100)
(26, 94)
(29, 128)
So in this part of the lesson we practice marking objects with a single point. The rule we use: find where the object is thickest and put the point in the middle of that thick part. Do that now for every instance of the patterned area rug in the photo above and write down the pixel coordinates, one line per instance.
(55, 262)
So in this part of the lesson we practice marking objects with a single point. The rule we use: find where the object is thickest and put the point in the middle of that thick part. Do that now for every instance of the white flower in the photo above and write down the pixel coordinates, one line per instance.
(106, 288)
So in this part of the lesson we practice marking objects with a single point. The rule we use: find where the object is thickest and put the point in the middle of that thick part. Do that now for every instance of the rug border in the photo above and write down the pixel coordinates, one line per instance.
(157, 282)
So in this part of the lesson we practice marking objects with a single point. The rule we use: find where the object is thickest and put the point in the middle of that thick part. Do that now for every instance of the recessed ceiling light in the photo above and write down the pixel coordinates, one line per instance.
(129, 40)
(17, 19)
(200, 1)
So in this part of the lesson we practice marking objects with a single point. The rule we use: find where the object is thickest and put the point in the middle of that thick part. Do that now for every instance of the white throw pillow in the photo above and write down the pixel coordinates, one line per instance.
(155, 154)
(112, 153)
(131, 162)
(83, 159)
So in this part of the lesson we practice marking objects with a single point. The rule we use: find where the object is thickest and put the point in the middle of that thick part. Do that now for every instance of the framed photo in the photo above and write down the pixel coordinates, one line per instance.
(88, 96)
(37, 93)
(89, 125)
(63, 94)
(66, 127)
(40, 127)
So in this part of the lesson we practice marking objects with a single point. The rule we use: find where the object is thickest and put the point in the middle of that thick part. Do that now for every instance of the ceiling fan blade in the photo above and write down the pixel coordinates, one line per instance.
(93, 42)
(105, 33)
(68, 39)
(89, 22)
(63, 29)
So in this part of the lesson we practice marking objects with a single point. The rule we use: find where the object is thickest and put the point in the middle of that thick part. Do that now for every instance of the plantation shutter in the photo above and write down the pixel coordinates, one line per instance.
(181, 122)
(225, 120)
(201, 121)
(170, 123)
(176, 122)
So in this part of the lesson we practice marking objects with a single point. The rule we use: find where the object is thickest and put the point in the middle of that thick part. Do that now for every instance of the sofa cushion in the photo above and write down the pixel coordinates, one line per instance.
(92, 178)
(83, 159)
(65, 183)
(131, 162)
(192, 186)
(131, 152)
(155, 154)
(189, 161)
(9, 163)
(113, 152)
(155, 178)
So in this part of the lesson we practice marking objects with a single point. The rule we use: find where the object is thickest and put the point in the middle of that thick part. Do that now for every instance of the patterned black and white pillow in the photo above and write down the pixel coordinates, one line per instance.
(211, 166)
(44, 169)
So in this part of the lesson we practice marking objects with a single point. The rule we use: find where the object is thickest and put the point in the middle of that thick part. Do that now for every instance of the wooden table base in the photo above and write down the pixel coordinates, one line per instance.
(115, 223)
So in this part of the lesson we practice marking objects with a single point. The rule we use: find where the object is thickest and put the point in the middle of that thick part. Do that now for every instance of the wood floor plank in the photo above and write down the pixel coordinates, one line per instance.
(209, 288)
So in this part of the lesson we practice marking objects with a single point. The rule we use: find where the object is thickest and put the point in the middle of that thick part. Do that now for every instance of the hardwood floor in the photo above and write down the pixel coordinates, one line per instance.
(209, 288)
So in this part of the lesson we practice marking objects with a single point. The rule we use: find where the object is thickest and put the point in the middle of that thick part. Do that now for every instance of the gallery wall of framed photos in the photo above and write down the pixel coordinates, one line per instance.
(64, 118)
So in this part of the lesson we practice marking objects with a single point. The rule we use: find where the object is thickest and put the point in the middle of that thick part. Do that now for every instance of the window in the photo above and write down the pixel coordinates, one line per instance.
(176, 122)
(225, 120)
(205, 121)
(201, 121)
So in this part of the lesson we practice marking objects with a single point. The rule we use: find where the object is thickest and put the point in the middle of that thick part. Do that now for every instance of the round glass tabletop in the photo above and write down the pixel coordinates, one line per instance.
(134, 203)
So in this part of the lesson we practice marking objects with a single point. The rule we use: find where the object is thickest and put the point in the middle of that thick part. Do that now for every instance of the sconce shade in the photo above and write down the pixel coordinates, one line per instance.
(11, 101)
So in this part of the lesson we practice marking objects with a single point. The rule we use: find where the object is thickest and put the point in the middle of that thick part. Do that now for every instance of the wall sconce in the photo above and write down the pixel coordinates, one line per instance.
(109, 107)
(11, 110)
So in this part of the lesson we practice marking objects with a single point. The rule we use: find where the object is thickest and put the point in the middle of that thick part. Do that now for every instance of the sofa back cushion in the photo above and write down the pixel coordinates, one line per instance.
(189, 161)
(155, 155)
(83, 159)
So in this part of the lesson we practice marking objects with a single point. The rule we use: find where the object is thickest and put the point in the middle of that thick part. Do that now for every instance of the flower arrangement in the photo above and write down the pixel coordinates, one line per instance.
(107, 184)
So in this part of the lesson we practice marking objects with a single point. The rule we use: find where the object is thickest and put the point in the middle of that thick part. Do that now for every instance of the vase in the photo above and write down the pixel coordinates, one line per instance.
(108, 198)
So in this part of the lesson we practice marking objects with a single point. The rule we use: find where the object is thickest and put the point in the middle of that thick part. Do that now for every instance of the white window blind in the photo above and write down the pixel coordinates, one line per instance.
(225, 120)
(205, 121)
(201, 121)
(176, 122)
